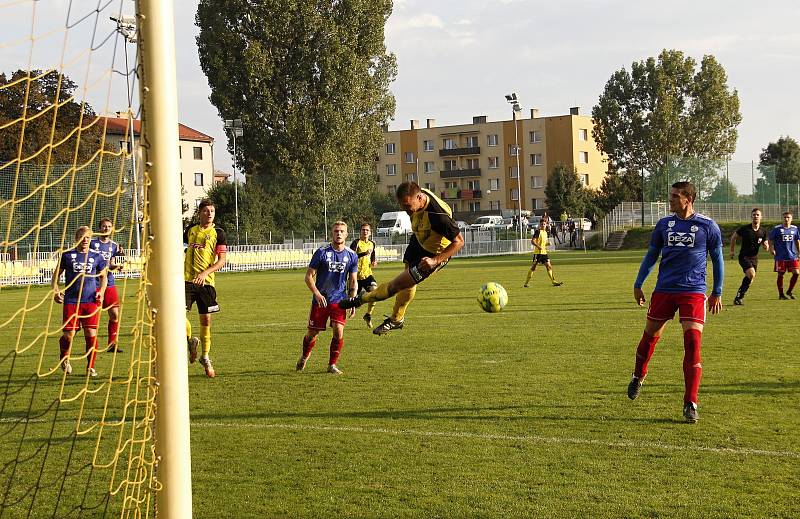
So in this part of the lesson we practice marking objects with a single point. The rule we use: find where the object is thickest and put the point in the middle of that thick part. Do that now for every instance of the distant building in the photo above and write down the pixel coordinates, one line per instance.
(474, 168)
(195, 149)
(220, 177)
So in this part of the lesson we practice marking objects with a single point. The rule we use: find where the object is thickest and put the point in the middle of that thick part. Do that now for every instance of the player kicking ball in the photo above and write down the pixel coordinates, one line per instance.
(683, 240)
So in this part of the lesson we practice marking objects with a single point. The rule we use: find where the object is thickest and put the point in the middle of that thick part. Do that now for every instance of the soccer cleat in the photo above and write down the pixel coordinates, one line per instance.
(351, 302)
(192, 343)
(206, 363)
(113, 348)
(525, 285)
(301, 363)
(789, 294)
(66, 366)
(387, 325)
(783, 297)
(92, 372)
(737, 301)
(333, 370)
(368, 319)
(690, 412)
(634, 387)
(557, 283)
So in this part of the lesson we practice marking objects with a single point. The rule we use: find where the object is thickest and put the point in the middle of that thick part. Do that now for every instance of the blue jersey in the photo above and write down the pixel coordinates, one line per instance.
(81, 275)
(783, 239)
(684, 246)
(333, 269)
(110, 249)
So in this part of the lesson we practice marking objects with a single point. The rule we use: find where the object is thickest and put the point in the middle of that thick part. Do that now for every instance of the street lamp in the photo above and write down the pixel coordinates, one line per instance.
(515, 110)
(238, 131)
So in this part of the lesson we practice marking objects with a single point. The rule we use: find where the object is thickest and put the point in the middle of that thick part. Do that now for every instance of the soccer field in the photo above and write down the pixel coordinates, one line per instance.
(518, 414)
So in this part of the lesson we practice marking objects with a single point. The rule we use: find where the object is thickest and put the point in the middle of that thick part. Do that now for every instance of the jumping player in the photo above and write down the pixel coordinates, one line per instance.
(85, 284)
(364, 248)
(539, 242)
(206, 250)
(110, 250)
(683, 240)
(331, 272)
(436, 238)
(784, 240)
(753, 236)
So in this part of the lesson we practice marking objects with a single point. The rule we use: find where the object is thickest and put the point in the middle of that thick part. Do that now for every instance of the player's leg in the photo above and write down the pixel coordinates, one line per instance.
(749, 270)
(692, 315)
(89, 319)
(317, 320)
(792, 283)
(531, 271)
(338, 317)
(192, 343)
(661, 310)
(113, 329)
(551, 274)
(779, 282)
(65, 345)
(205, 341)
(368, 285)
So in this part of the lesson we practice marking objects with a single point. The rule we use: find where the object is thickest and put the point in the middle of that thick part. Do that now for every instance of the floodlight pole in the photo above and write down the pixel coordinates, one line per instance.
(325, 199)
(238, 130)
(515, 109)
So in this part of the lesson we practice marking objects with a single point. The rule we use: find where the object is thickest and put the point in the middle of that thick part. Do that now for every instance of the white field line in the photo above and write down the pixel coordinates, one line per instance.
(504, 437)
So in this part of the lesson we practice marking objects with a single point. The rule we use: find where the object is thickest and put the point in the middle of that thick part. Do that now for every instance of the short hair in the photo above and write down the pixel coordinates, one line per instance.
(81, 231)
(687, 188)
(365, 224)
(787, 212)
(205, 203)
(407, 189)
(105, 220)
(756, 209)
(339, 222)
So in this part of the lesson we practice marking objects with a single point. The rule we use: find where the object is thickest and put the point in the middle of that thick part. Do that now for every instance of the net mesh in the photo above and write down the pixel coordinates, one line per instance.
(70, 445)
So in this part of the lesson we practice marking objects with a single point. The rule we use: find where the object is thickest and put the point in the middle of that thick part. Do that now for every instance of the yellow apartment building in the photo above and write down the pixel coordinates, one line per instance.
(473, 167)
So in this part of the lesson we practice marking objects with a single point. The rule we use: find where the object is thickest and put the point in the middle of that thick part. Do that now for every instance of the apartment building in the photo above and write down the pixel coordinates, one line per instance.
(195, 149)
(474, 166)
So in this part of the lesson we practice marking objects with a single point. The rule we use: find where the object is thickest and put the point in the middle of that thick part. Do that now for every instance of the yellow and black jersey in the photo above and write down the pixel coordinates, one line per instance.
(433, 226)
(202, 248)
(365, 250)
(540, 241)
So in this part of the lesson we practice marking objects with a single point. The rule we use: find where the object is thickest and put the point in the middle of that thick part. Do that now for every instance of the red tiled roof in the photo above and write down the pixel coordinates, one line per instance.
(119, 125)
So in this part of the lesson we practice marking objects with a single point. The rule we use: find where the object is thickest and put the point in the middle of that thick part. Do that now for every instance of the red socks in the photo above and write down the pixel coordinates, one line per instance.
(780, 284)
(692, 366)
(308, 345)
(63, 345)
(792, 282)
(113, 331)
(336, 349)
(643, 353)
(91, 346)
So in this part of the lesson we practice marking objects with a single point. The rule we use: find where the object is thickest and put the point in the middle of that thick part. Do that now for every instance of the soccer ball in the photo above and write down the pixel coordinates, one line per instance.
(492, 297)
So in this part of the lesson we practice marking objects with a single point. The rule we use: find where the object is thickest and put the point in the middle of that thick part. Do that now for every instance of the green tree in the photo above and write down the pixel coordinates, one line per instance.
(617, 187)
(783, 157)
(724, 192)
(666, 111)
(564, 192)
(310, 81)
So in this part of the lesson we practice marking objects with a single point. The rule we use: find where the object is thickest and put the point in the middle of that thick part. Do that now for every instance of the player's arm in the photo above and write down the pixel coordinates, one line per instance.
(221, 252)
(648, 262)
(58, 297)
(117, 265)
(447, 227)
(733, 243)
(102, 275)
(373, 258)
(311, 278)
(718, 271)
(352, 281)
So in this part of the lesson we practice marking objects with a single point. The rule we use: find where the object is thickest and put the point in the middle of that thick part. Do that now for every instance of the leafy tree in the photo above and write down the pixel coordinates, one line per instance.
(310, 81)
(617, 187)
(564, 191)
(724, 191)
(43, 91)
(783, 157)
(665, 111)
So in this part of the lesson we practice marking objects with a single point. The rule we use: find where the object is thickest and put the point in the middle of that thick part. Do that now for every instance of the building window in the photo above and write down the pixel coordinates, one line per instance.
(472, 164)
(512, 150)
(391, 169)
(491, 140)
(429, 166)
(494, 205)
(450, 185)
(197, 202)
(449, 144)
(514, 194)
(583, 157)
(536, 159)
(494, 183)
(198, 179)
(427, 145)
(450, 165)
(494, 162)
(391, 189)
(198, 153)
(537, 203)
(536, 182)
(430, 187)
(536, 136)
(472, 141)
(585, 180)
(390, 148)
(512, 172)
(474, 184)
(409, 157)
(474, 206)
(583, 134)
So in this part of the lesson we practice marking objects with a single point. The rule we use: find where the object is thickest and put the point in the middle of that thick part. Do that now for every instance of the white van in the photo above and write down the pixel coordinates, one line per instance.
(394, 222)
(487, 222)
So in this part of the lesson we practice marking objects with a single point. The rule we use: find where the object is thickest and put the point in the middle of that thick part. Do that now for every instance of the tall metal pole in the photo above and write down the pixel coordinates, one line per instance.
(642, 196)
(136, 223)
(325, 199)
(519, 172)
(235, 188)
(159, 141)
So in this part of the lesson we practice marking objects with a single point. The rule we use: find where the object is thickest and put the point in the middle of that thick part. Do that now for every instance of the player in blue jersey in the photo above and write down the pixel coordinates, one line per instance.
(784, 239)
(331, 273)
(85, 279)
(683, 240)
(113, 255)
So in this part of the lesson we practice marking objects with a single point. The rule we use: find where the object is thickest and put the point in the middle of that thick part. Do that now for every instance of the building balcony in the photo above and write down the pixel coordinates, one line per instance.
(453, 193)
(460, 173)
(460, 151)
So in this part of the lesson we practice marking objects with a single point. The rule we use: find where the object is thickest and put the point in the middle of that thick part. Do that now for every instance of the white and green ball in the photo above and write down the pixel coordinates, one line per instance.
(492, 297)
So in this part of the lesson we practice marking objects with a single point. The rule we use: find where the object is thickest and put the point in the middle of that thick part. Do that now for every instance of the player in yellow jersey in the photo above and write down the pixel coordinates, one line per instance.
(206, 248)
(539, 242)
(364, 248)
(436, 238)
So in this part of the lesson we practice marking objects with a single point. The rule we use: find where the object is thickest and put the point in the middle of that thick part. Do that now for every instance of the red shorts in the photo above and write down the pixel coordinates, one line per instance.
(84, 314)
(783, 266)
(318, 318)
(690, 306)
(111, 298)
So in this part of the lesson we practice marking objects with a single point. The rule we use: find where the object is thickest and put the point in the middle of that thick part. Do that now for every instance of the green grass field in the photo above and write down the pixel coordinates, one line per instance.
(518, 414)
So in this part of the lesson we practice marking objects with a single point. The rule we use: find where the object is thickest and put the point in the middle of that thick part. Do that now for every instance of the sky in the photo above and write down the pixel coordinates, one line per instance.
(458, 58)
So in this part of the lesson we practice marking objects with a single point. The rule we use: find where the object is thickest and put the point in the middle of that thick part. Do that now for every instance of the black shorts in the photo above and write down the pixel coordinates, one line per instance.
(412, 257)
(540, 258)
(206, 297)
(748, 262)
(364, 284)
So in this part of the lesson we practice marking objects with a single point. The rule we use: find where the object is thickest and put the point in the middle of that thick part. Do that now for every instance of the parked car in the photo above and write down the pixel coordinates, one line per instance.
(394, 222)
(486, 222)
(507, 223)
(462, 225)
(533, 222)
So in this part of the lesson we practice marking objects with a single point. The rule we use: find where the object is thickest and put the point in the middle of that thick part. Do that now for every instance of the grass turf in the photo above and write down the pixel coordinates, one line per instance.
(516, 414)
